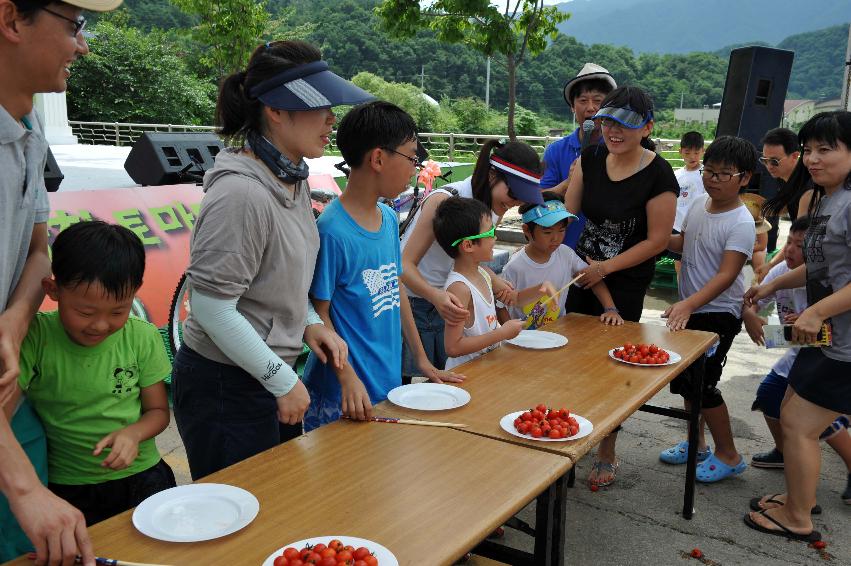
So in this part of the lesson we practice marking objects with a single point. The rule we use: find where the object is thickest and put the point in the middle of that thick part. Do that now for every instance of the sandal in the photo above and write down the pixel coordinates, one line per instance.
(712, 469)
(754, 505)
(812, 536)
(679, 454)
(599, 467)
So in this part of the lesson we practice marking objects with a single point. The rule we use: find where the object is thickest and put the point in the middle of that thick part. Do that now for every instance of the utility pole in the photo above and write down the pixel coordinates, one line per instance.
(488, 84)
(846, 85)
(682, 95)
(422, 78)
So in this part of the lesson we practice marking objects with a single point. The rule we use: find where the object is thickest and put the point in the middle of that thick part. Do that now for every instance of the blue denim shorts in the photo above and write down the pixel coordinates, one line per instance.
(769, 395)
(430, 326)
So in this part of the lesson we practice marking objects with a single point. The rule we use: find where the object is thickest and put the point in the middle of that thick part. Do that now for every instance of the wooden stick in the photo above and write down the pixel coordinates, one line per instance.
(392, 420)
(560, 291)
(104, 561)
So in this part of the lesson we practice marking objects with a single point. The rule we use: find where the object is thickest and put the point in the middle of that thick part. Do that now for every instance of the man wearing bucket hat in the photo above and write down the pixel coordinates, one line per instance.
(583, 94)
(39, 42)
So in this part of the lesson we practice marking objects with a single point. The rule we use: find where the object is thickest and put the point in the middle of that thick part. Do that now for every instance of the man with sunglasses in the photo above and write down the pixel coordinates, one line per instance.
(780, 153)
(39, 42)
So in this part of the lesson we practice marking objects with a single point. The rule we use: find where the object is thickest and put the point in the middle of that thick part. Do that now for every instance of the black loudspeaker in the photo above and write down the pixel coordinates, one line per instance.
(170, 158)
(52, 175)
(754, 93)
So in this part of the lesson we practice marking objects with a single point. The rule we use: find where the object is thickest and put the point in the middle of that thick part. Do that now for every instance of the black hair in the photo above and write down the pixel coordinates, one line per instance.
(637, 100)
(458, 217)
(236, 112)
(732, 151)
(692, 140)
(587, 85)
(783, 137)
(93, 251)
(28, 8)
(547, 196)
(515, 152)
(371, 125)
(801, 224)
(825, 127)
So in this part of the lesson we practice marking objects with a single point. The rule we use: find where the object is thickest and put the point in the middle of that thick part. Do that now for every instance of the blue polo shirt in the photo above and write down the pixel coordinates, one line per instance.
(558, 157)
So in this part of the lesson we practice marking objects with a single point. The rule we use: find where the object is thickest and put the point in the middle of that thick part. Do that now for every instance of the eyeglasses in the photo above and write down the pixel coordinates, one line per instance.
(489, 234)
(415, 161)
(720, 177)
(79, 24)
(773, 161)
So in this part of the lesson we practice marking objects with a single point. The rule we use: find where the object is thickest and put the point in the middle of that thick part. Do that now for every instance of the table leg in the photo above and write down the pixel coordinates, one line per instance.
(550, 524)
(571, 477)
(695, 396)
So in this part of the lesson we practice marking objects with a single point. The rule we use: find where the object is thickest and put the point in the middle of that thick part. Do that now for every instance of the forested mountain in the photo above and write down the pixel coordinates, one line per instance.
(348, 34)
(665, 26)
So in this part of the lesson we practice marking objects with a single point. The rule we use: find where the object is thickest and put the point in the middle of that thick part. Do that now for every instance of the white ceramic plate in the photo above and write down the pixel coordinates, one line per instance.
(507, 424)
(429, 396)
(538, 340)
(672, 359)
(195, 512)
(384, 556)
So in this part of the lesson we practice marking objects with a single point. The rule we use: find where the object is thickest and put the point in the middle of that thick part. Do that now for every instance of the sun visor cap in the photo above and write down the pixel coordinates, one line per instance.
(547, 214)
(95, 5)
(524, 185)
(308, 87)
(623, 116)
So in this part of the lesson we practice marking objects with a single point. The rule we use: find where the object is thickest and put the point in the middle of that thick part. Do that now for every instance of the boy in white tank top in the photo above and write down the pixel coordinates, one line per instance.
(465, 230)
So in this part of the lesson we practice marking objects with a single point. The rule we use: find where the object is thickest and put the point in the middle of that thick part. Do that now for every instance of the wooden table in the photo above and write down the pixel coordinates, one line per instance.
(579, 376)
(425, 493)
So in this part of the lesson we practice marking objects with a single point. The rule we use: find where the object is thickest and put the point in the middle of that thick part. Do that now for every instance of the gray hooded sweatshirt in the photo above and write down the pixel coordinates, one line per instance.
(257, 241)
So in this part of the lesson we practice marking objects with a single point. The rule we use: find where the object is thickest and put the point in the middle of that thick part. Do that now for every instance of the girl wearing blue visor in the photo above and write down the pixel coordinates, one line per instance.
(629, 196)
(252, 256)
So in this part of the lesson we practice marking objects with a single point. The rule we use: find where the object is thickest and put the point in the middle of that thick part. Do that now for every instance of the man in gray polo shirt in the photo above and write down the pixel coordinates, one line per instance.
(39, 41)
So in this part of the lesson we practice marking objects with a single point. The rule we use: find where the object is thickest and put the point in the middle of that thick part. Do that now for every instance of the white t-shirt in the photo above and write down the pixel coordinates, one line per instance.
(788, 301)
(691, 187)
(435, 264)
(523, 272)
(484, 316)
(707, 237)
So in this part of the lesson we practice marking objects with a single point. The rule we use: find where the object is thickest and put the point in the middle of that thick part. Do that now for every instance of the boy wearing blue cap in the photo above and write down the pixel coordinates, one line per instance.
(546, 258)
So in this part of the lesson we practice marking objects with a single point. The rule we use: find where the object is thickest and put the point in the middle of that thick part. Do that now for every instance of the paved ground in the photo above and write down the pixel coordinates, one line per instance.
(636, 520)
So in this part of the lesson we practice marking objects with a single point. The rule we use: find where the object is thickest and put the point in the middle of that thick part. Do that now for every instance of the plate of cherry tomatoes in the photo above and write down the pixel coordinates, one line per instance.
(546, 424)
(331, 551)
(644, 355)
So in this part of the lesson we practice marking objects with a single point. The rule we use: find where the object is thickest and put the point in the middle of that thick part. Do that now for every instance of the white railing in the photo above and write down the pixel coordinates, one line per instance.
(441, 146)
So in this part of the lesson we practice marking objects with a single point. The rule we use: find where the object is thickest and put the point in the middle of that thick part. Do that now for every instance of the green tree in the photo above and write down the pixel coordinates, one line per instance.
(406, 96)
(131, 76)
(229, 30)
(523, 25)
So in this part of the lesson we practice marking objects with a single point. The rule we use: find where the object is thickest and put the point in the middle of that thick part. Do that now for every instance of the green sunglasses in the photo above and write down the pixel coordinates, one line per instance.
(489, 234)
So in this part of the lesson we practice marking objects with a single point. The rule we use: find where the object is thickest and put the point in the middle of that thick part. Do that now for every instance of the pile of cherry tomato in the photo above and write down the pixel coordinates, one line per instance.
(331, 554)
(543, 422)
(644, 354)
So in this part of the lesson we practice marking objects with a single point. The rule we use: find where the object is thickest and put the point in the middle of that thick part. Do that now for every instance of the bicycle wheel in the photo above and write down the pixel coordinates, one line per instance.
(177, 314)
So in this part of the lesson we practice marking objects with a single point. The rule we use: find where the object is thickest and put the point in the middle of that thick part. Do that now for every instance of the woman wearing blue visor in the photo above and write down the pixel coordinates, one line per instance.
(252, 256)
(629, 196)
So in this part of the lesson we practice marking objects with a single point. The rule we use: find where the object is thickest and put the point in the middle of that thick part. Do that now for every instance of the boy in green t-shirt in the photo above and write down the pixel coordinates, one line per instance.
(95, 376)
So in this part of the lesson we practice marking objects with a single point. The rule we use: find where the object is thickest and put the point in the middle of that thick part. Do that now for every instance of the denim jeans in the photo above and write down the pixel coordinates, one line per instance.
(430, 326)
(223, 414)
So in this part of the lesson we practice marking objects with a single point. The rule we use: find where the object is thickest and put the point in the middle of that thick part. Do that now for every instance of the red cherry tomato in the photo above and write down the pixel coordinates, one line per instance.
(371, 560)
(291, 553)
(327, 561)
(361, 553)
(281, 561)
(536, 432)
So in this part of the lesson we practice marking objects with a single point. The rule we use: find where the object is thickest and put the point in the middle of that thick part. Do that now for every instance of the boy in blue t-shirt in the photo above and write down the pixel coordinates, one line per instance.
(94, 375)
(355, 287)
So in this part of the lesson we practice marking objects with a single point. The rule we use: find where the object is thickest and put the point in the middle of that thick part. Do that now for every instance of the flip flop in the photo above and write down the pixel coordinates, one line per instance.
(756, 500)
(784, 531)
(599, 466)
(679, 454)
(712, 469)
